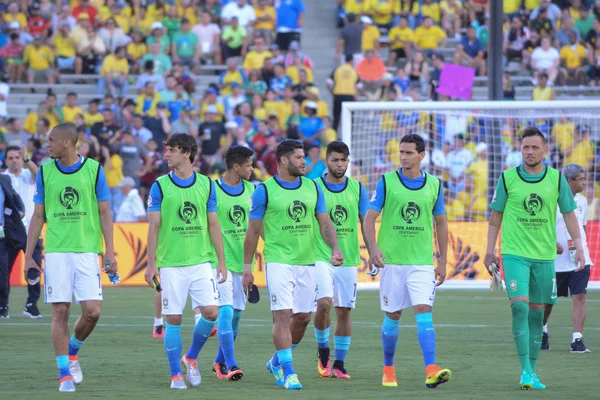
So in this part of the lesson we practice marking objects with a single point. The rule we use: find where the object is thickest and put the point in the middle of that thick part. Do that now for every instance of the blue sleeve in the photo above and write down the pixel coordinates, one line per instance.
(378, 199)
(102, 192)
(244, 77)
(363, 201)
(320, 125)
(259, 203)
(301, 8)
(155, 198)
(38, 197)
(211, 204)
(321, 207)
(438, 208)
(221, 78)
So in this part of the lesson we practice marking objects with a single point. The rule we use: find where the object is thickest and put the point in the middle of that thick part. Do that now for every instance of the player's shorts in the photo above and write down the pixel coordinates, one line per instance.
(338, 283)
(231, 291)
(534, 279)
(572, 281)
(291, 287)
(177, 282)
(68, 274)
(403, 286)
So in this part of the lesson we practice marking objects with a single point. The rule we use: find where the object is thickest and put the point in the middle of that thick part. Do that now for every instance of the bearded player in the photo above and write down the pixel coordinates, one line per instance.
(346, 201)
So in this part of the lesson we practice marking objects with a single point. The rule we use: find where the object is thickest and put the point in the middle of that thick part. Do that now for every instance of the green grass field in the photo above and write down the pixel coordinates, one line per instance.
(121, 360)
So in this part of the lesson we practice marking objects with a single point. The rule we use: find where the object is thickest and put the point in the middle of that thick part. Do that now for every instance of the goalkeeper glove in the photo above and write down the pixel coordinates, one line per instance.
(495, 281)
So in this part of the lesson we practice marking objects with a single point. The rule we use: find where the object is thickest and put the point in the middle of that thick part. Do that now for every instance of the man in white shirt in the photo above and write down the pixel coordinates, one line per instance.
(545, 59)
(457, 161)
(571, 277)
(132, 208)
(23, 181)
(240, 9)
(209, 37)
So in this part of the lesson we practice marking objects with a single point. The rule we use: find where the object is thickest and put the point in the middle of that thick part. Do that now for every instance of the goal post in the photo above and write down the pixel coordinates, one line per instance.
(469, 145)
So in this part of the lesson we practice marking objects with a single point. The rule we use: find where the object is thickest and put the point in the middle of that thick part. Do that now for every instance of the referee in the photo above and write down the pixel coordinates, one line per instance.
(342, 84)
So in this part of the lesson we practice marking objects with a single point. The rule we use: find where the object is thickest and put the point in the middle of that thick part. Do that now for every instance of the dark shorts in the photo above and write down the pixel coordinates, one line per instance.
(573, 281)
(400, 53)
(284, 39)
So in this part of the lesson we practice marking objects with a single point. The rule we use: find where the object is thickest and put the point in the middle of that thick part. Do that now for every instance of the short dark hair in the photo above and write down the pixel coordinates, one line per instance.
(68, 130)
(36, 143)
(416, 139)
(11, 148)
(185, 143)
(45, 121)
(287, 147)
(71, 94)
(11, 120)
(237, 155)
(349, 57)
(337, 146)
(533, 131)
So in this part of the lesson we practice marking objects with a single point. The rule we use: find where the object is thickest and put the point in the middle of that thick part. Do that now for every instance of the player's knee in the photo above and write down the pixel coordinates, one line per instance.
(302, 319)
(210, 313)
(324, 305)
(578, 299)
(60, 311)
(422, 308)
(93, 314)
(342, 313)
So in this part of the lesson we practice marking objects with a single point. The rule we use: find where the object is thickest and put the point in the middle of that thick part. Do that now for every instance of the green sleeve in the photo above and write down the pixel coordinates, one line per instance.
(566, 200)
(499, 200)
(61, 114)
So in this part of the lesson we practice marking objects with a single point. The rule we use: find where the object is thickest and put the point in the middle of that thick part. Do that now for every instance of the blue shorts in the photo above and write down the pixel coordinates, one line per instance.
(65, 63)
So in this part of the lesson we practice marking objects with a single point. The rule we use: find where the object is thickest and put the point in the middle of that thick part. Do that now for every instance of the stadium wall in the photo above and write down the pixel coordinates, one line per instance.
(466, 249)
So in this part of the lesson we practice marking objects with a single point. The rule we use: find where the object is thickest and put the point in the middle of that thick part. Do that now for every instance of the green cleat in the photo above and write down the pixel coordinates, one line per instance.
(526, 380)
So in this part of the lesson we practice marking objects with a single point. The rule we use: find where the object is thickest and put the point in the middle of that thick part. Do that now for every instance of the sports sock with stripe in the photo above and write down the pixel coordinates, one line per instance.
(173, 347)
(226, 336)
(75, 345)
(62, 362)
(426, 335)
(235, 323)
(285, 358)
(536, 321)
(520, 330)
(341, 345)
(389, 339)
(202, 332)
(322, 336)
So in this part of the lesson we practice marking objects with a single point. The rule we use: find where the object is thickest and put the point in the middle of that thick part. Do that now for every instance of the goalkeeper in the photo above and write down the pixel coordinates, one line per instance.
(525, 203)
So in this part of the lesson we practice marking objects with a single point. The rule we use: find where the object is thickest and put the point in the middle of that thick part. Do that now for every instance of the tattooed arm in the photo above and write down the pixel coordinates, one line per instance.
(329, 235)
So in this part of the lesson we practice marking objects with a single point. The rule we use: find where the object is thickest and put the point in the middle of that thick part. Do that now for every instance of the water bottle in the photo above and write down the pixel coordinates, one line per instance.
(114, 278)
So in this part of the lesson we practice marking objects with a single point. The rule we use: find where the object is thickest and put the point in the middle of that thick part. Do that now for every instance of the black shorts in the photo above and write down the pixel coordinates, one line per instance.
(400, 53)
(284, 39)
(572, 281)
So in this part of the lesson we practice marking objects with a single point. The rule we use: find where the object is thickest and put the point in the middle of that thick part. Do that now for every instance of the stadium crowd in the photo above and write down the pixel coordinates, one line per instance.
(265, 91)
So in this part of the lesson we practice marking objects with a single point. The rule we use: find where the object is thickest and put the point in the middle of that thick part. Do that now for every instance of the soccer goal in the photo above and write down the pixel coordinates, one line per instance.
(469, 144)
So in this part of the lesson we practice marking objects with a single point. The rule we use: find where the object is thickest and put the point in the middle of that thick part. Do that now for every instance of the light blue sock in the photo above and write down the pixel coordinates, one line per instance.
(235, 323)
(285, 358)
(341, 345)
(426, 335)
(75, 345)
(389, 339)
(62, 362)
(226, 336)
(322, 336)
(275, 359)
(173, 347)
(201, 334)
(294, 346)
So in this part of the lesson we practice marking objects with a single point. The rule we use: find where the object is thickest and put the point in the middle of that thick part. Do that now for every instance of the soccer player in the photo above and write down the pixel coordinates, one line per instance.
(525, 205)
(569, 276)
(288, 206)
(411, 201)
(183, 220)
(346, 201)
(234, 193)
(72, 199)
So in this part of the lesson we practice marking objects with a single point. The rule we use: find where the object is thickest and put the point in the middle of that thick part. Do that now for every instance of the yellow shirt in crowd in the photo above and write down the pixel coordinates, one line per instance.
(69, 113)
(582, 154)
(64, 46)
(428, 10)
(428, 38)
(479, 171)
(136, 50)
(573, 56)
(562, 134)
(382, 12)
(256, 60)
(370, 35)
(404, 34)
(266, 25)
(38, 59)
(114, 174)
(91, 119)
(112, 65)
(293, 73)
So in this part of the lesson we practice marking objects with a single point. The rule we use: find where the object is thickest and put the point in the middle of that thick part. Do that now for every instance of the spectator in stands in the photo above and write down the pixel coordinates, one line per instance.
(136, 49)
(39, 59)
(255, 59)
(417, 71)
(12, 58)
(290, 18)
(149, 76)
(63, 17)
(562, 35)
(315, 167)
(240, 10)
(159, 35)
(24, 37)
(546, 59)
(234, 39)
(162, 62)
(147, 100)
(214, 136)
(593, 34)
(92, 115)
(342, 84)
(34, 149)
(65, 51)
(14, 135)
(107, 131)
(507, 88)
(185, 123)
(4, 93)
(429, 37)
(311, 127)
(585, 21)
(114, 73)
(371, 70)
(132, 207)
(231, 101)
(553, 11)
(573, 59)
(209, 37)
(543, 92)
(86, 9)
(452, 12)
(279, 81)
(477, 173)
(515, 157)
(582, 151)
(542, 23)
(71, 109)
(469, 52)
(113, 36)
(159, 125)
(458, 160)
(187, 47)
(401, 42)
(350, 41)
(54, 112)
(14, 15)
(90, 47)
(514, 42)
(370, 35)
(264, 24)
(139, 131)
(37, 24)
(594, 61)
(427, 9)
(254, 86)
(562, 133)
(131, 152)
(172, 23)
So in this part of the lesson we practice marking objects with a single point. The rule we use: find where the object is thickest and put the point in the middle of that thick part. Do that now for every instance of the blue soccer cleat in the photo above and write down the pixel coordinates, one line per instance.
(277, 372)
(292, 382)
(526, 380)
(537, 385)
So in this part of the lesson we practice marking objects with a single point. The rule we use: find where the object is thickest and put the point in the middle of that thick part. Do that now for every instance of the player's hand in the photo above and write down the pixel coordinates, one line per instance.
(377, 258)
(110, 263)
(559, 248)
(580, 258)
(247, 280)
(30, 263)
(440, 272)
(488, 260)
(337, 258)
(222, 271)
(151, 272)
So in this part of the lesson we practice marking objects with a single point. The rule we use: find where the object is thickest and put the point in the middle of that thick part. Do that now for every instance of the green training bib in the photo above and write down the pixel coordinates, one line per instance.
(72, 216)
(343, 210)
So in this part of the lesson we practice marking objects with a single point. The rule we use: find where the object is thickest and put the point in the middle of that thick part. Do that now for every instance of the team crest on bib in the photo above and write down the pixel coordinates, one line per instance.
(410, 212)
(338, 215)
(513, 285)
(274, 299)
(237, 215)
(385, 300)
(49, 290)
(297, 211)
(69, 197)
(187, 212)
(165, 303)
(533, 204)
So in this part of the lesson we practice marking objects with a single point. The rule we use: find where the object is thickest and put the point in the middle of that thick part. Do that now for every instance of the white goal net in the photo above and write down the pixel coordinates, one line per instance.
(469, 144)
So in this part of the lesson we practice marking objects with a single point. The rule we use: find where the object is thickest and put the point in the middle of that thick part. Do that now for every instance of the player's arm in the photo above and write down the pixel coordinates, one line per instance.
(35, 229)
(441, 233)
(497, 205)
(573, 228)
(255, 229)
(154, 221)
(106, 222)
(375, 207)
(214, 228)
(363, 207)
(328, 232)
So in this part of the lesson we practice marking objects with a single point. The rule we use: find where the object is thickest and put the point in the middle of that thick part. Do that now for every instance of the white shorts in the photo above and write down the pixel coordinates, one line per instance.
(338, 283)
(177, 282)
(68, 274)
(403, 286)
(291, 287)
(231, 291)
